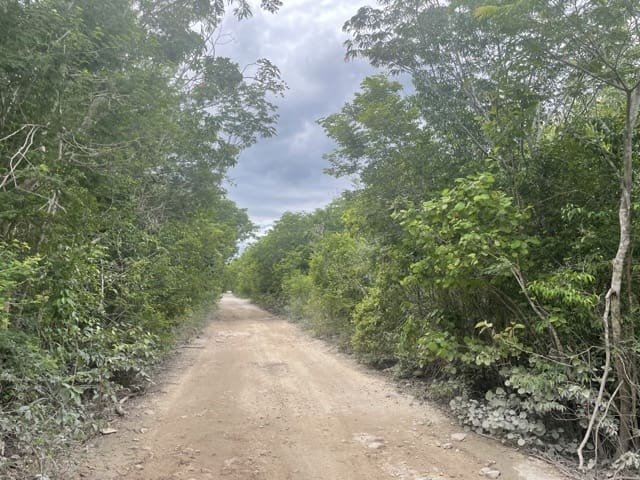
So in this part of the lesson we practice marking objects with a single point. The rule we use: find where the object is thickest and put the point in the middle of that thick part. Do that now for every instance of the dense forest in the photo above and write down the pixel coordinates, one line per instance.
(117, 125)
(487, 245)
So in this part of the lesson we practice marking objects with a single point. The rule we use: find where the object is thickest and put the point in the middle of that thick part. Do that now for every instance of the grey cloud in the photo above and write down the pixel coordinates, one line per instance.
(271, 196)
(305, 40)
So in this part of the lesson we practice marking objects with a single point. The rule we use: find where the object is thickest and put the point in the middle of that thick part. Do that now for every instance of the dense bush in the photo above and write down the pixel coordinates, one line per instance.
(117, 125)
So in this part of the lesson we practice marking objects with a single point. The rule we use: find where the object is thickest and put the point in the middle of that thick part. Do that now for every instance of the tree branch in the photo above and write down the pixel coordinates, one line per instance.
(603, 379)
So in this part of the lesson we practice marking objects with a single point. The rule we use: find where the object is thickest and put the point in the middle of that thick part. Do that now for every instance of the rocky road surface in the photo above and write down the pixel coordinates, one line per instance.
(256, 398)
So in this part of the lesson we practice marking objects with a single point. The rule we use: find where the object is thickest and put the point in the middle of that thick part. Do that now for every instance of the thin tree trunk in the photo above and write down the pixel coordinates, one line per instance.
(603, 382)
(626, 403)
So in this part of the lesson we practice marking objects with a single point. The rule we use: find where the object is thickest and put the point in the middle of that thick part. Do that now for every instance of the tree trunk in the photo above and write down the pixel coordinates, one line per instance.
(626, 396)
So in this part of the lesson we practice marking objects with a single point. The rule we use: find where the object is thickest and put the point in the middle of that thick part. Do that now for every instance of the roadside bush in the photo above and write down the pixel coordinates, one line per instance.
(338, 270)
(377, 321)
(297, 290)
(545, 405)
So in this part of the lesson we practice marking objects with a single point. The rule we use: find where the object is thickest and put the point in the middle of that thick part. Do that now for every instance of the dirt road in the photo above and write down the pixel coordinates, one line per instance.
(256, 398)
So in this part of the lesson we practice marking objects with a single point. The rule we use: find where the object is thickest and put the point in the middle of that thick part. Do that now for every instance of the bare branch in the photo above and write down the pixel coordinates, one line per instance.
(20, 155)
(603, 379)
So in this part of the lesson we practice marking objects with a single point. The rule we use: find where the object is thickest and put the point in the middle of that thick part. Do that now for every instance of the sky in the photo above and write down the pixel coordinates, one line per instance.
(305, 40)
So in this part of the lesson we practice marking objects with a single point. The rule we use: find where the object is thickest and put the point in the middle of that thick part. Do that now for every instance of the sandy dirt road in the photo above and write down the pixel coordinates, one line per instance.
(256, 398)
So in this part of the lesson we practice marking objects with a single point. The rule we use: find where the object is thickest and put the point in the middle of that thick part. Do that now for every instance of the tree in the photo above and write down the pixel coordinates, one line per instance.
(381, 138)
(477, 99)
(597, 46)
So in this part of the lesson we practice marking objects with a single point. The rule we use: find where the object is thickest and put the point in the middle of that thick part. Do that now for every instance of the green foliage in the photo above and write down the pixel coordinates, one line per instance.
(466, 243)
(267, 263)
(378, 321)
(269, 268)
(297, 290)
(338, 271)
(16, 269)
(469, 233)
(543, 404)
(565, 296)
(426, 345)
(117, 126)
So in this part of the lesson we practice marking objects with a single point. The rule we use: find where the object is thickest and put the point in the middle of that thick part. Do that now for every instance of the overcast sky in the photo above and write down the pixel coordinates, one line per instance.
(305, 40)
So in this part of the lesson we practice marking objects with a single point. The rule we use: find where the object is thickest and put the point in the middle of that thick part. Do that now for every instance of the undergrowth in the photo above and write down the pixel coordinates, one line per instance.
(53, 399)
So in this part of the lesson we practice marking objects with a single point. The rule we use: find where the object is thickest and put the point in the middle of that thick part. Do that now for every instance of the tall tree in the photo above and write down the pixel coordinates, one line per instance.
(596, 45)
